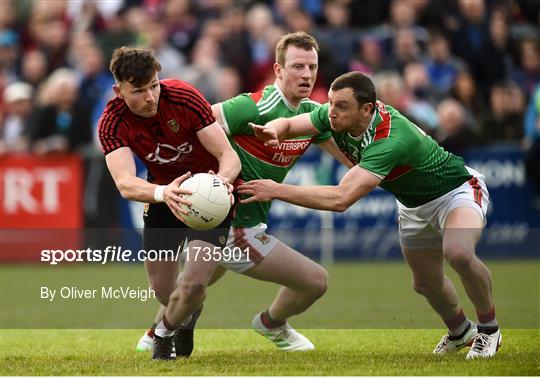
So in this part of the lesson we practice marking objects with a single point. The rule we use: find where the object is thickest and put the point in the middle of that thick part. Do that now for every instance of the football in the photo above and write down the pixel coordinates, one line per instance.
(210, 201)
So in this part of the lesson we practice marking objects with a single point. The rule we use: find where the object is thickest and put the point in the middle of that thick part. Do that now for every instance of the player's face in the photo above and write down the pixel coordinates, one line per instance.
(299, 73)
(142, 101)
(344, 113)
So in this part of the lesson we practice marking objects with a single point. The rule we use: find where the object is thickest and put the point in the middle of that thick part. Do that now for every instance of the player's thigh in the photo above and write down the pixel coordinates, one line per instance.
(463, 229)
(427, 265)
(201, 261)
(284, 266)
(464, 223)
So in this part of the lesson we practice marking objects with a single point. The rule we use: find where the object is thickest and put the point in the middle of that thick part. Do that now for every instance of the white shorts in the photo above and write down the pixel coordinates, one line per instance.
(253, 243)
(422, 227)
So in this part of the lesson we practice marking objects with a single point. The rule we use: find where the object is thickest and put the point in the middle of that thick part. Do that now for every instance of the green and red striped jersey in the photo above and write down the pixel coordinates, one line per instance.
(260, 161)
(410, 163)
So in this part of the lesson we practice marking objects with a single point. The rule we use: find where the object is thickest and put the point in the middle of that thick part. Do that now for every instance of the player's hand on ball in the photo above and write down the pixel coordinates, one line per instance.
(227, 184)
(266, 134)
(259, 190)
(173, 196)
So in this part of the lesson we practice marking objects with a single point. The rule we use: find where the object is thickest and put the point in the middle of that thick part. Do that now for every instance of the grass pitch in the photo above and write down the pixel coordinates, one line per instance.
(369, 323)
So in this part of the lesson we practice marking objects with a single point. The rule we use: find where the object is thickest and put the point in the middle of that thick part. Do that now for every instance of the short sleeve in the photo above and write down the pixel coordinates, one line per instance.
(319, 119)
(382, 156)
(111, 134)
(238, 112)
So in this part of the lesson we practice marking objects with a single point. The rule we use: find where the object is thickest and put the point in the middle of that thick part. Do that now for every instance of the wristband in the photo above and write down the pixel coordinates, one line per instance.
(158, 193)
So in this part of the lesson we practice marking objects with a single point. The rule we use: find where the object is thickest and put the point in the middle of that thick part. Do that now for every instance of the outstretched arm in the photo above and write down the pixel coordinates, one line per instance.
(284, 128)
(331, 147)
(357, 183)
(122, 167)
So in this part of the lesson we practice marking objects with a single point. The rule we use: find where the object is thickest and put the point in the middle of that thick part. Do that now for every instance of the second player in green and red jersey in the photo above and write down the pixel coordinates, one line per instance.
(260, 161)
(411, 164)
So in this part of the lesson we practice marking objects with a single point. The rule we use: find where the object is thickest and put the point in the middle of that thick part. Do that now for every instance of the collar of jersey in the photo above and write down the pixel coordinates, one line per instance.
(369, 128)
(284, 99)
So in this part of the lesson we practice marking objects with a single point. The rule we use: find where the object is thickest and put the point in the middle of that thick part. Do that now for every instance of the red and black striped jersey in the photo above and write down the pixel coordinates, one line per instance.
(166, 143)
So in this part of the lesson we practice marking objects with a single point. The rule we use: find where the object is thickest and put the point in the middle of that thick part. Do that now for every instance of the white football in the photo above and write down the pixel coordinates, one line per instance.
(210, 201)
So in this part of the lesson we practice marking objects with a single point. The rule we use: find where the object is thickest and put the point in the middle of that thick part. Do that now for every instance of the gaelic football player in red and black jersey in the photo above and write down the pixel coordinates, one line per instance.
(170, 127)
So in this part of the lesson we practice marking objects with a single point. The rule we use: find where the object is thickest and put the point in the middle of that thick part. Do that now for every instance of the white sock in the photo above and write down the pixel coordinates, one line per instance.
(163, 331)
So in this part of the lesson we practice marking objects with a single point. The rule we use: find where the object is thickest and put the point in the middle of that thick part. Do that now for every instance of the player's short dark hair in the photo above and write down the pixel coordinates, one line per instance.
(135, 65)
(361, 85)
(301, 40)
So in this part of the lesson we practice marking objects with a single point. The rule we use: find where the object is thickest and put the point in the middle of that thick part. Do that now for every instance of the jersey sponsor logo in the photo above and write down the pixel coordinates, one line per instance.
(281, 155)
(263, 238)
(173, 125)
(165, 153)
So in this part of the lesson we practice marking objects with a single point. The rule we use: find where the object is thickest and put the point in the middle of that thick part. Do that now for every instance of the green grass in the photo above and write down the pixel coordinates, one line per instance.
(242, 352)
(369, 323)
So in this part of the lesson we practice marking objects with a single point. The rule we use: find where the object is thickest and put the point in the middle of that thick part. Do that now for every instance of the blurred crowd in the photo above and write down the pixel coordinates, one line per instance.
(466, 71)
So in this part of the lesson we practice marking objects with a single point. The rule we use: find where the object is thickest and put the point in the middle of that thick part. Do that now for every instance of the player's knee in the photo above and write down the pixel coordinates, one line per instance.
(428, 288)
(459, 255)
(319, 283)
(192, 289)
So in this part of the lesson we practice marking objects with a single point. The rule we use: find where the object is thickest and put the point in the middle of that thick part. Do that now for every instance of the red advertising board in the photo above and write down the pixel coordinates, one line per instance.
(41, 205)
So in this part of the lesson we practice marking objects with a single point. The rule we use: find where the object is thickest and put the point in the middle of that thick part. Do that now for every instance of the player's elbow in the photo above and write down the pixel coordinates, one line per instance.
(123, 188)
(343, 202)
(340, 206)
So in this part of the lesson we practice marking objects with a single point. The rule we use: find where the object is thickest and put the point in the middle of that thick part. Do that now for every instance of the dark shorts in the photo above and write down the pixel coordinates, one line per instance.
(163, 231)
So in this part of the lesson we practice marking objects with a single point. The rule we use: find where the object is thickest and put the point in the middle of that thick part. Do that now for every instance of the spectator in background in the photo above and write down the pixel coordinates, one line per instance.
(503, 122)
(495, 62)
(235, 46)
(532, 144)
(182, 25)
(420, 102)
(60, 123)
(391, 89)
(116, 34)
(49, 31)
(453, 133)
(529, 57)
(369, 57)
(470, 35)
(34, 67)
(442, 67)
(228, 85)
(95, 80)
(464, 90)
(18, 100)
(173, 62)
(337, 35)
(259, 21)
(405, 50)
(204, 69)
(9, 50)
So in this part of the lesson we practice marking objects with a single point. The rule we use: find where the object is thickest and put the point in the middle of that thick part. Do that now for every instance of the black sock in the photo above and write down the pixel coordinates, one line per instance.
(488, 330)
(453, 338)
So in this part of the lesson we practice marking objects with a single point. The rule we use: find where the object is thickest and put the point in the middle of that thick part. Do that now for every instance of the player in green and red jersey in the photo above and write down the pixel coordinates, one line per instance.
(441, 203)
(303, 281)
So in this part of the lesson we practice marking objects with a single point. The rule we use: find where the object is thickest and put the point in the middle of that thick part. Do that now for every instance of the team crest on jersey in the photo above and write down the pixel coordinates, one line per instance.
(222, 239)
(146, 207)
(263, 238)
(173, 125)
